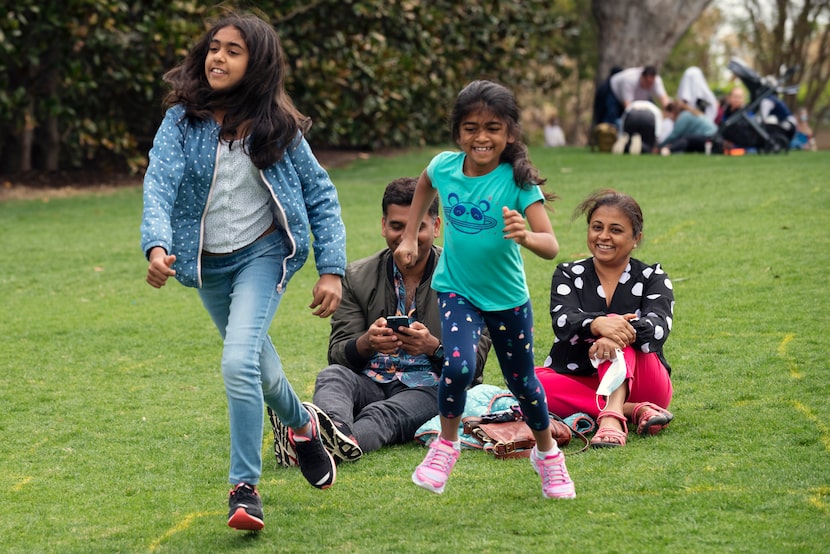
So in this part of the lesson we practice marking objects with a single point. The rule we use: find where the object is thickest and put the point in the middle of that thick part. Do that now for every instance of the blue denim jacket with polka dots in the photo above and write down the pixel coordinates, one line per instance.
(177, 186)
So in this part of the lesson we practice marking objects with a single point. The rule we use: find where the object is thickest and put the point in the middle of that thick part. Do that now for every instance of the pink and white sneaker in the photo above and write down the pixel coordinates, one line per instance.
(556, 483)
(434, 471)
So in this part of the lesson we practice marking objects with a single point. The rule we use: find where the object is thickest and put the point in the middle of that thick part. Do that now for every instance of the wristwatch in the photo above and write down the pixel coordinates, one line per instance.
(439, 353)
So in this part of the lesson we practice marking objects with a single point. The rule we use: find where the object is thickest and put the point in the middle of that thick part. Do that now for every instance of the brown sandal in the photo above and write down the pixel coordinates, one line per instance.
(607, 437)
(650, 418)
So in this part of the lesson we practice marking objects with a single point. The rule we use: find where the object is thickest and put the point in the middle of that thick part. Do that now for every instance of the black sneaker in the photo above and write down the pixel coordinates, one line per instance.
(245, 508)
(283, 450)
(336, 437)
(315, 461)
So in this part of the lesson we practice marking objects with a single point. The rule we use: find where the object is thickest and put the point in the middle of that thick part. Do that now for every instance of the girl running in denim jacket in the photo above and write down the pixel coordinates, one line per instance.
(230, 193)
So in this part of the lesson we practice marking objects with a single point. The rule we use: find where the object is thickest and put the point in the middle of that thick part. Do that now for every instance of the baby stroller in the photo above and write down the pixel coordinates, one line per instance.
(746, 127)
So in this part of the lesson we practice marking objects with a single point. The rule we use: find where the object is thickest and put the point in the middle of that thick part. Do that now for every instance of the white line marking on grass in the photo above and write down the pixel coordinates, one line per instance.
(181, 526)
(822, 428)
(782, 352)
(817, 499)
(21, 483)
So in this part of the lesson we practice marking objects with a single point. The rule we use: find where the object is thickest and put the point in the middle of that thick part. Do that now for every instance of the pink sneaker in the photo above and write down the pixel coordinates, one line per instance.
(556, 483)
(434, 471)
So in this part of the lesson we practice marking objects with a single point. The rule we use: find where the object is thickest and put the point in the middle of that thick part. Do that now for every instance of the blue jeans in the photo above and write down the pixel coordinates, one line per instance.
(239, 291)
(613, 109)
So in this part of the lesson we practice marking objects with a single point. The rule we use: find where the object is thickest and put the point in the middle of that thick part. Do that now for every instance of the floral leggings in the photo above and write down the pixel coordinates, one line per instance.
(512, 334)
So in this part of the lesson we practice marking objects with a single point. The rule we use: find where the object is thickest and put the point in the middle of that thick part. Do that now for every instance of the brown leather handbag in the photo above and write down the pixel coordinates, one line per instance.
(505, 434)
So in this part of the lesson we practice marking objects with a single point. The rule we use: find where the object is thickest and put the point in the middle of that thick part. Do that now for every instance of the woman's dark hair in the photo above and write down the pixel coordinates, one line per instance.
(258, 104)
(498, 99)
(613, 199)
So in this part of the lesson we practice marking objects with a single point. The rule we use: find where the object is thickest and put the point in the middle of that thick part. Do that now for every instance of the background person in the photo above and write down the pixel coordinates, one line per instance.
(775, 112)
(634, 83)
(599, 113)
(694, 90)
(735, 100)
(642, 125)
(803, 139)
(740, 133)
(604, 132)
(554, 135)
(602, 303)
(690, 132)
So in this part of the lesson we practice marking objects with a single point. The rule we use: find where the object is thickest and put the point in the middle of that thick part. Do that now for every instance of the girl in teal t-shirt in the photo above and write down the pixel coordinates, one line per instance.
(489, 192)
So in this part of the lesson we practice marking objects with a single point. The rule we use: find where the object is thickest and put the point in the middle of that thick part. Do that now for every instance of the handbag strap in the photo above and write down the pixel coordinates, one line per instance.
(574, 432)
(514, 449)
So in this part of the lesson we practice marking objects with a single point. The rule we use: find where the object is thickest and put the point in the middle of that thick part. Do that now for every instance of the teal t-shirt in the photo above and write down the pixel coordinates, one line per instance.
(478, 262)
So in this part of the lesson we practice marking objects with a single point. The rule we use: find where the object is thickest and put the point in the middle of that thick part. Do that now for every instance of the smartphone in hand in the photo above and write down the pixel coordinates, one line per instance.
(395, 321)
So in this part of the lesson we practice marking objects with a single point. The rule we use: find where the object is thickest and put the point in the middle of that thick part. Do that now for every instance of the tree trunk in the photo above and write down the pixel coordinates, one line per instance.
(27, 137)
(53, 144)
(632, 33)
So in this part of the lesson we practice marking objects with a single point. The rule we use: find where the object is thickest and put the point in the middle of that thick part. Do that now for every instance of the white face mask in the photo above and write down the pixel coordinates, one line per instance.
(614, 377)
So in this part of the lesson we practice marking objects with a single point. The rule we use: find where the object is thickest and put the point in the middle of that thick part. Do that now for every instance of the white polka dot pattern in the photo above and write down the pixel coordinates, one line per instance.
(577, 298)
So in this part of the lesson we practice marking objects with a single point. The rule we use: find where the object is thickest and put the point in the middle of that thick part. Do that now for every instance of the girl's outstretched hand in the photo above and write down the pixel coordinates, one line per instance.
(406, 253)
(159, 269)
(326, 295)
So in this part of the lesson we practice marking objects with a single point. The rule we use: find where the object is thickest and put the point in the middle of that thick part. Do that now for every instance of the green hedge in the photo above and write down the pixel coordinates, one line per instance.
(84, 76)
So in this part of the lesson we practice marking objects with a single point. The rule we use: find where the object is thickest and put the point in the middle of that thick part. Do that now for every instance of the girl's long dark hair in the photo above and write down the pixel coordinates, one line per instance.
(499, 100)
(258, 104)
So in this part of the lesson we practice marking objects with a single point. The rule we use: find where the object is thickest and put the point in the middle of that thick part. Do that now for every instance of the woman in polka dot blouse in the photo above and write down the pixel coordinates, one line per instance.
(232, 194)
(602, 306)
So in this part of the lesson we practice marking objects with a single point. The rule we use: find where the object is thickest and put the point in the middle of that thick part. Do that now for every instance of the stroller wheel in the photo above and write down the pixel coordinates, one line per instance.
(778, 142)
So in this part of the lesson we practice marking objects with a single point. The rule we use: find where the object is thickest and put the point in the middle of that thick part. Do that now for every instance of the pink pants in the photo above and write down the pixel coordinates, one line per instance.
(648, 381)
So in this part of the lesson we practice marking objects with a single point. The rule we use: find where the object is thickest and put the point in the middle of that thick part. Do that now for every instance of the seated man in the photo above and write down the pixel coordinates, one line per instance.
(734, 101)
(382, 384)
(739, 133)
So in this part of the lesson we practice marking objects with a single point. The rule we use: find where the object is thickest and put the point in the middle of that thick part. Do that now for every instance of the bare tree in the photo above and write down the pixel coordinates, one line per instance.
(640, 32)
(792, 33)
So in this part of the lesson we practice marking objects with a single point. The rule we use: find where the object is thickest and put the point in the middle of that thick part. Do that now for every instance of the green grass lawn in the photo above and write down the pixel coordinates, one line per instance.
(114, 420)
